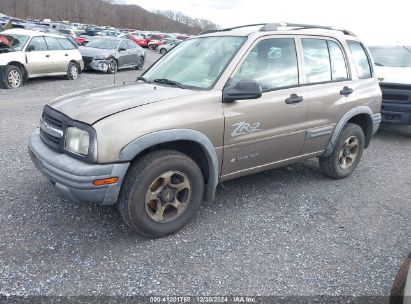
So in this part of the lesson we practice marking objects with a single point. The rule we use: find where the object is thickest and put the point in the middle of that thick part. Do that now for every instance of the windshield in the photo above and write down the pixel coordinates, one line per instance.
(196, 63)
(13, 42)
(397, 56)
(105, 44)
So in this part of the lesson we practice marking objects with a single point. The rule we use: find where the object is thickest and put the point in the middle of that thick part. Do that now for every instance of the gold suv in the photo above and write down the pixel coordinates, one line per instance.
(221, 105)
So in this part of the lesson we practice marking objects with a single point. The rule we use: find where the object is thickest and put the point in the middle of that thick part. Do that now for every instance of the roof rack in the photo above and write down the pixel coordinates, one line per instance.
(269, 27)
(275, 27)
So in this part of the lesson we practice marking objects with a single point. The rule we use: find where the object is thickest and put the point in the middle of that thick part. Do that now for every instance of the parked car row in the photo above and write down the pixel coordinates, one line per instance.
(28, 54)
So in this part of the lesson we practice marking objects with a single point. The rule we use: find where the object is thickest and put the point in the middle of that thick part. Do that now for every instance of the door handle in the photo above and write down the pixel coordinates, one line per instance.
(66, 55)
(294, 98)
(47, 56)
(346, 91)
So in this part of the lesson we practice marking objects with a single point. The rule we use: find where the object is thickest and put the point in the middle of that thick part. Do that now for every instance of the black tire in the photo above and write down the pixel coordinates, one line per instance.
(113, 66)
(73, 71)
(335, 166)
(163, 51)
(13, 77)
(140, 63)
(139, 181)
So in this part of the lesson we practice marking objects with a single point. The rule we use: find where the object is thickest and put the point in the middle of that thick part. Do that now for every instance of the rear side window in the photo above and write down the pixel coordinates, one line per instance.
(338, 64)
(317, 60)
(53, 44)
(361, 60)
(272, 63)
(37, 44)
(66, 44)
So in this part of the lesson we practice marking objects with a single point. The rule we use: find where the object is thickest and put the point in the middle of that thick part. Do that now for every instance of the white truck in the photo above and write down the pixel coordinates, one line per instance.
(393, 68)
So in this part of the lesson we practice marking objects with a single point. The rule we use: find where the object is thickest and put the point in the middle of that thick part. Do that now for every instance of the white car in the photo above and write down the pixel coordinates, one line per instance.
(28, 54)
(393, 68)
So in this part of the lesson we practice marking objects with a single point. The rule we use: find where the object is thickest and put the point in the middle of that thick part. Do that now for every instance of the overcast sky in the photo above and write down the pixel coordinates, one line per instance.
(377, 22)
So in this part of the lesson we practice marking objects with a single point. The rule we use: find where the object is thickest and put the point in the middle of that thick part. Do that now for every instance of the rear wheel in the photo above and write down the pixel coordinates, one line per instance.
(347, 153)
(72, 71)
(161, 192)
(13, 77)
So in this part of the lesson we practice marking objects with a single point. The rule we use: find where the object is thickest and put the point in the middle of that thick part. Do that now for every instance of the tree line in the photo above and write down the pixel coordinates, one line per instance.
(107, 13)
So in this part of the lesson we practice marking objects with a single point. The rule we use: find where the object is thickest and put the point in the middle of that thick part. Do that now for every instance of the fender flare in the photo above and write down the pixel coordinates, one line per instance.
(138, 145)
(374, 119)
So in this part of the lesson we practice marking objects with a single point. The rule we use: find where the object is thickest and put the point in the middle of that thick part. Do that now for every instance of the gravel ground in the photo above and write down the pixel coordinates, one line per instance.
(289, 231)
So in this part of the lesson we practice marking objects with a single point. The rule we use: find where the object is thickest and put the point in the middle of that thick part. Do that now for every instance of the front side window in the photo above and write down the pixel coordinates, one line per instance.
(123, 45)
(361, 60)
(198, 62)
(395, 56)
(272, 63)
(316, 60)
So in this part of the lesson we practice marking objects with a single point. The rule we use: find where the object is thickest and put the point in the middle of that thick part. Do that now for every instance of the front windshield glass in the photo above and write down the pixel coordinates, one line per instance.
(196, 63)
(105, 44)
(398, 56)
(13, 42)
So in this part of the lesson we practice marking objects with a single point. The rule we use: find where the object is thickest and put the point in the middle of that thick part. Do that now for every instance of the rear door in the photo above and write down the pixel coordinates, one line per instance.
(38, 57)
(264, 131)
(326, 76)
(59, 56)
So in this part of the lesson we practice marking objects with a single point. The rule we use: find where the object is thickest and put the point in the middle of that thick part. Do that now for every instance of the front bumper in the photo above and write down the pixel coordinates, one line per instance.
(72, 178)
(100, 65)
(396, 103)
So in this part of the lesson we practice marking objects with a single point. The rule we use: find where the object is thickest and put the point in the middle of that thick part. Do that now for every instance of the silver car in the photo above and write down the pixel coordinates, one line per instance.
(28, 54)
(108, 54)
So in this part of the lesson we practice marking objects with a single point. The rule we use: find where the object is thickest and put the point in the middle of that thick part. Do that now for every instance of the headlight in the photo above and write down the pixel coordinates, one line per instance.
(77, 141)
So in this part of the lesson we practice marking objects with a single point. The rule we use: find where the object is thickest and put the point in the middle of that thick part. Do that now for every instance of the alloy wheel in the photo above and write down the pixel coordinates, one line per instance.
(348, 153)
(168, 196)
(14, 78)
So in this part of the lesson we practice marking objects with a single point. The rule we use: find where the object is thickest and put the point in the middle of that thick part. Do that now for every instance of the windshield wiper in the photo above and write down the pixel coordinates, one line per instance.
(170, 82)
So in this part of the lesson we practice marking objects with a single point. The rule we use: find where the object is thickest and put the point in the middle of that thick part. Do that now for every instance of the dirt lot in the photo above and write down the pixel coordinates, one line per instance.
(289, 231)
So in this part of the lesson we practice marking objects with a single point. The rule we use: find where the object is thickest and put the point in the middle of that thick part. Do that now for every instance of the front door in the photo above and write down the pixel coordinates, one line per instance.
(38, 58)
(261, 132)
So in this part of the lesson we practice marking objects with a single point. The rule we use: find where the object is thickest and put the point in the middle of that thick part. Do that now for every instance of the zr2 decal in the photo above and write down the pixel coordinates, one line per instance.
(243, 127)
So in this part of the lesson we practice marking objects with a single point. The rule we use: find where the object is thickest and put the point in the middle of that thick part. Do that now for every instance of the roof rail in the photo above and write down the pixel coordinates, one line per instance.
(230, 28)
(274, 27)
(269, 27)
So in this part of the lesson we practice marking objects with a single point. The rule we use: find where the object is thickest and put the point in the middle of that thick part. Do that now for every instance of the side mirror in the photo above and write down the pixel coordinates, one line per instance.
(122, 49)
(244, 89)
(30, 48)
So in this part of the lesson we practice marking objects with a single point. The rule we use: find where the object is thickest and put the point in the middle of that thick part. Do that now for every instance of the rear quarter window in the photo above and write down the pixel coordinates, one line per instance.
(361, 59)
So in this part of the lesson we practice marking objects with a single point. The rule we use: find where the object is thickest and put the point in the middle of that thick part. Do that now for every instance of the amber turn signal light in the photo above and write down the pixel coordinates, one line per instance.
(105, 181)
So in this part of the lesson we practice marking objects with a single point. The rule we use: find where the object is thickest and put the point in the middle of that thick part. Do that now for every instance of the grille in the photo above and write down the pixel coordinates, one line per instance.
(396, 93)
(51, 130)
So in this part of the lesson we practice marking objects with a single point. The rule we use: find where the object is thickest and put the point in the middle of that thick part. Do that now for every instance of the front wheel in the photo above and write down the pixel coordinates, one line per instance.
(347, 153)
(140, 63)
(163, 51)
(112, 66)
(13, 77)
(161, 193)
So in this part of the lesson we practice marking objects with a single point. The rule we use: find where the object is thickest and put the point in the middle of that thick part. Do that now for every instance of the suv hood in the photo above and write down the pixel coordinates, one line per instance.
(89, 106)
(94, 52)
(393, 75)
